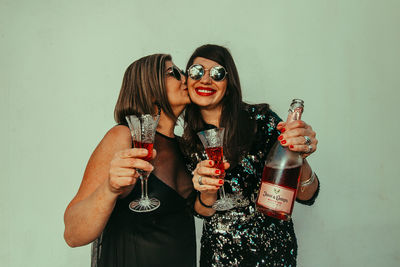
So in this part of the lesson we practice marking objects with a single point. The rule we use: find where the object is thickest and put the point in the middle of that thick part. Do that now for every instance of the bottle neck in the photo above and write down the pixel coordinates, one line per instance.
(294, 114)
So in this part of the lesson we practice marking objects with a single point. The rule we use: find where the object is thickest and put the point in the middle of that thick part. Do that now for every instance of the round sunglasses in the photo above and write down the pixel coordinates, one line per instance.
(197, 71)
(175, 72)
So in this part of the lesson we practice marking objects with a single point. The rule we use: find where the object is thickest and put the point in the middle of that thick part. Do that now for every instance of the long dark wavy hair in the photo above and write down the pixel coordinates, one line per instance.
(143, 86)
(234, 118)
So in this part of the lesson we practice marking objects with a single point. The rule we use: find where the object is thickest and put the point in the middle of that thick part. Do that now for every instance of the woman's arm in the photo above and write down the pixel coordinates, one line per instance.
(307, 192)
(109, 174)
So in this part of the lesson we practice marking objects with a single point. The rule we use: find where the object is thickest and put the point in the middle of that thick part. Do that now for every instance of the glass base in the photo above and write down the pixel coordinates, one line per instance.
(144, 205)
(224, 204)
(239, 200)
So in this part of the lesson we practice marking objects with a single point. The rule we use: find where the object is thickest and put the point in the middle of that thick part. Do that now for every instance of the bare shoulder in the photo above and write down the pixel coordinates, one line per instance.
(119, 133)
(117, 138)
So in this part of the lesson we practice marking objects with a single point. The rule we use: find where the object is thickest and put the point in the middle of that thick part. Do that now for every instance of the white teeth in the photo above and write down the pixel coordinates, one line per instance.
(204, 91)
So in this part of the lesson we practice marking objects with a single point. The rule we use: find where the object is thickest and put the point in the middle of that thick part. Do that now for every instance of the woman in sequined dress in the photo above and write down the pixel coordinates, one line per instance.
(100, 210)
(240, 236)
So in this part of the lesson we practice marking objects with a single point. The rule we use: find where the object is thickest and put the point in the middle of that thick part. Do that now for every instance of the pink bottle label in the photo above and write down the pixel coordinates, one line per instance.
(276, 197)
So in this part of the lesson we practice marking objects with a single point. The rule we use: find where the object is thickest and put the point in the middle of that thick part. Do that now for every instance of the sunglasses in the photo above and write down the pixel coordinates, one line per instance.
(175, 72)
(197, 71)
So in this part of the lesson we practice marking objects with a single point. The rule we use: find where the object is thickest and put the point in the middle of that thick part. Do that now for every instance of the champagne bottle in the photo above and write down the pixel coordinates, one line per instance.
(281, 175)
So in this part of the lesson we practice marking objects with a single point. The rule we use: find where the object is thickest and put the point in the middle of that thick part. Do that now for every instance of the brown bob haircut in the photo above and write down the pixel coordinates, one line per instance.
(143, 88)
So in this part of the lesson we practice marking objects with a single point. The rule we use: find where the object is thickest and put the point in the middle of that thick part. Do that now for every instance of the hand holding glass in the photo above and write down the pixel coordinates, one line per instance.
(143, 129)
(213, 141)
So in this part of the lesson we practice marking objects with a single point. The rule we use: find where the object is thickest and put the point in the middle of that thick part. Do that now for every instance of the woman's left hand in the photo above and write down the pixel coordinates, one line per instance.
(298, 136)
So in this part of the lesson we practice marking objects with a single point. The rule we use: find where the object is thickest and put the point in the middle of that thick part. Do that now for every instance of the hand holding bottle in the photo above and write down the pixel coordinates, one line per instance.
(282, 170)
(298, 136)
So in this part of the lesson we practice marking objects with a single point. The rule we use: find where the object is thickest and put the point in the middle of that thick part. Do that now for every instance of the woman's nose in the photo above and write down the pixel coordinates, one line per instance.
(206, 78)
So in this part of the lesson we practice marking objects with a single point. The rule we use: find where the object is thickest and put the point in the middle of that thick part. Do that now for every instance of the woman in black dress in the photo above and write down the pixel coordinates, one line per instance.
(100, 210)
(241, 236)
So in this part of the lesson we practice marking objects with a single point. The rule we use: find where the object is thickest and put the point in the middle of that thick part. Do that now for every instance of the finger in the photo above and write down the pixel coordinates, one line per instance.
(299, 140)
(133, 153)
(295, 132)
(226, 165)
(154, 154)
(281, 125)
(210, 181)
(121, 172)
(306, 149)
(295, 124)
(120, 182)
(206, 163)
(132, 163)
(207, 171)
(296, 137)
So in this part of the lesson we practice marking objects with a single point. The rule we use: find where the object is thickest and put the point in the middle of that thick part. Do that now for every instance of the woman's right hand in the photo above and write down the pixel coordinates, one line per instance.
(123, 174)
(210, 180)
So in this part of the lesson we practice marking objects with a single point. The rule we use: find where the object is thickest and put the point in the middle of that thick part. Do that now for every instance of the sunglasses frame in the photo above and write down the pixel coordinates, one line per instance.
(173, 71)
(204, 72)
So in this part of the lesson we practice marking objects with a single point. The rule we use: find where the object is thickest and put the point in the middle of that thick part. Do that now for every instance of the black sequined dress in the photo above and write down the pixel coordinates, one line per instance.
(243, 236)
(164, 237)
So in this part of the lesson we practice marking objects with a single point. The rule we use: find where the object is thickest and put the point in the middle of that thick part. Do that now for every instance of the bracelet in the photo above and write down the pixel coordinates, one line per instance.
(308, 181)
(202, 203)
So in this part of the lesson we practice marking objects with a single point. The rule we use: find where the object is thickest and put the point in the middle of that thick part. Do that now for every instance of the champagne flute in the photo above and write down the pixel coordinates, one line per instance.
(213, 140)
(143, 129)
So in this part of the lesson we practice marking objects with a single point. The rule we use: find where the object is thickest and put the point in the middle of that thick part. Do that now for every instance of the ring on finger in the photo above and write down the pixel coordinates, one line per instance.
(308, 140)
(200, 180)
(309, 148)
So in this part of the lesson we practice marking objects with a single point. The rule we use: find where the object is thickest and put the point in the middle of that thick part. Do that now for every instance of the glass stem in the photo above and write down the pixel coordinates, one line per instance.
(222, 192)
(142, 184)
(145, 187)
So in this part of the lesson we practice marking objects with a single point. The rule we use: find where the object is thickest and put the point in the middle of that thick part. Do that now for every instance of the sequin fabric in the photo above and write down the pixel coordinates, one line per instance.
(243, 236)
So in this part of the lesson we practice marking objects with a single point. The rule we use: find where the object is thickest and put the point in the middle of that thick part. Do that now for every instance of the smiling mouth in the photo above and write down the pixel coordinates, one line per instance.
(202, 91)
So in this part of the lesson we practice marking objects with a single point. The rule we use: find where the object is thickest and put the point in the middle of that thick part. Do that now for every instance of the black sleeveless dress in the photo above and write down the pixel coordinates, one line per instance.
(164, 237)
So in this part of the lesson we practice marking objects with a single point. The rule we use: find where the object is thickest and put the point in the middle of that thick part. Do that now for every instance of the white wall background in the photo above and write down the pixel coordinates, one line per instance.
(61, 66)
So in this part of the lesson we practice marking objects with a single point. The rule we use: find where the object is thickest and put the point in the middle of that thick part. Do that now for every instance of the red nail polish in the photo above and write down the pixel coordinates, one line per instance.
(283, 130)
(211, 163)
(280, 137)
(291, 146)
(221, 181)
(217, 171)
(283, 142)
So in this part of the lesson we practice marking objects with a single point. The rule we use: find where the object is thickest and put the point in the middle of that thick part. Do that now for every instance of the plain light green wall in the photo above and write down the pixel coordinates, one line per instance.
(61, 65)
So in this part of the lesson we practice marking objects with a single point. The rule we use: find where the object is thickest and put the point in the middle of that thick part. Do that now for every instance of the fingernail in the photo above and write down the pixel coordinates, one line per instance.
(283, 142)
(221, 181)
(283, 130)
(291, 146)
(217, 172)
(280, 137)
(211, 162)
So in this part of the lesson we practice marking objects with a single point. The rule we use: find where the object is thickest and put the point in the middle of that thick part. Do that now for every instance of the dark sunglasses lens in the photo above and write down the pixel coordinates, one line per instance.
(217, 73)
(195, 72)
(176, 73)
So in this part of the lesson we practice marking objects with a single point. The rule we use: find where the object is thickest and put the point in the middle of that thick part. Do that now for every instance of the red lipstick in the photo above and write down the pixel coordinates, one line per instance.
(205, 91)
